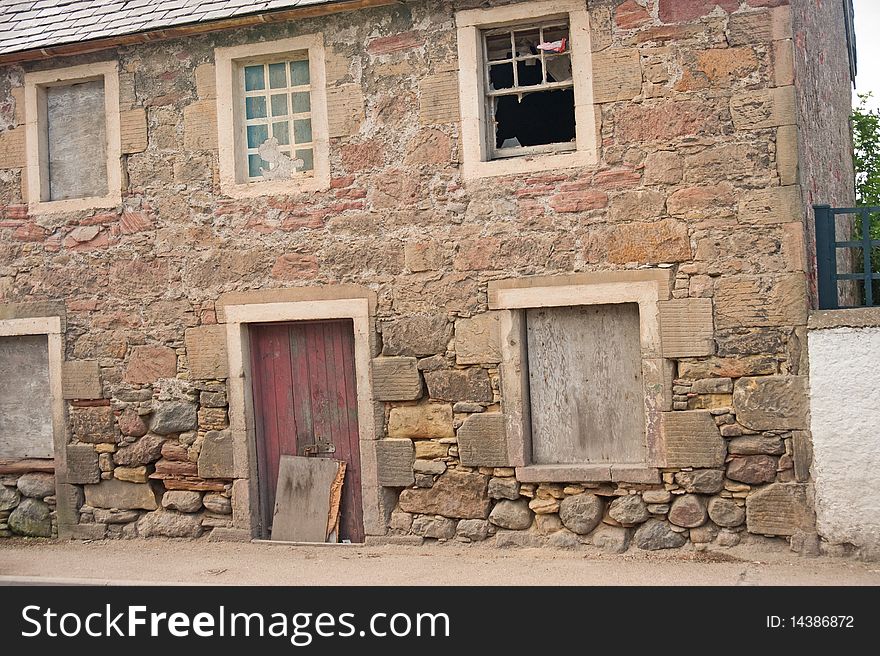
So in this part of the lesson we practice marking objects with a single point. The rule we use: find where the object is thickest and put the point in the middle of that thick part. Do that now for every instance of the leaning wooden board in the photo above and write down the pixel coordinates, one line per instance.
(303, 498)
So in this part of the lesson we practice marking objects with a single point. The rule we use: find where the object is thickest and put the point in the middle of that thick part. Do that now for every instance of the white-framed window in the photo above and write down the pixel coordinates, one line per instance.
(526, 88)
(272, 117)
(73, 147)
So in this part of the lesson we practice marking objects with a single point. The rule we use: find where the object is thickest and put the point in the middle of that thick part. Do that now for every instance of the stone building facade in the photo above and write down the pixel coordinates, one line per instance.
(704, 130)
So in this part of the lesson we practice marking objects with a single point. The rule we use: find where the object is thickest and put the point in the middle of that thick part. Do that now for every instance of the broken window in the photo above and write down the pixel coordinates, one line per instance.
(529, 89)
(277, 109)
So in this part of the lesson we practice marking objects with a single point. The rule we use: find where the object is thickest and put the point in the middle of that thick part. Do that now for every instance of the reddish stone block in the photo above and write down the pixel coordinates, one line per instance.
(301, 220)
(618, 178)
(339, 183)
(477, 254)
(295, 266)
(395, 43)
(631, 15)
(579, 201)
(132, 222)
(149, 363)
(676, 11)
(30, 232)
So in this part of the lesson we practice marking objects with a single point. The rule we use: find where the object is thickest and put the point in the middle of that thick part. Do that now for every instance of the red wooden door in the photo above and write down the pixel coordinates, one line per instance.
(304, 387)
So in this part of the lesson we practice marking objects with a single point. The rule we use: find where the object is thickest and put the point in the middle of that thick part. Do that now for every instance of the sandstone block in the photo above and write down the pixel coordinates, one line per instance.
(103, 516)
(692, 439)
(769, 300)
(779, 509)
(174, 417)
(200, 125)
(149, 363)
(771, 205)
(686, 327)
(482, 440)
(395, 460)
(504, 488)
(767, 108)
(617, 75)
(122, 495)
(429, 449)
(753, 470)
(439, 98)
(649, 242)
(735, 367)
(663, 168)
(131, 474)
(751, 445)
(81, 379)
(206, 352)
(703, 481)
(772, 402)
(93, 425)
(439, 528)
(470, 384)
(216, 457)
(345, 105)
(478, 339)
(396, 379)
(455, 494)
(82, 464)
(475, 530)
(416, 336)
(133, 130)
(217, 503)
(169, 524)
(425, 421)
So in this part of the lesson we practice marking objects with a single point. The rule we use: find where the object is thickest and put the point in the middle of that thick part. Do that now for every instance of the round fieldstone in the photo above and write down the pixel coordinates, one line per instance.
(217, 503)
(725, 512)
(169, 524)
(581, 513)
(31, 517)
(629, 510)
(688, 511)
(656, 534)
(475, 530)
(702, 481)
(182, 500)
(9, 498)
(131, 423)
(37, 485)
(513, 515)
(727, 538)
(174, 417)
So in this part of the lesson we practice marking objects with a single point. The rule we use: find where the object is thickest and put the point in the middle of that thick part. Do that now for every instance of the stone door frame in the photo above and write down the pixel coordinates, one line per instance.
(241, 406)
(51, 327)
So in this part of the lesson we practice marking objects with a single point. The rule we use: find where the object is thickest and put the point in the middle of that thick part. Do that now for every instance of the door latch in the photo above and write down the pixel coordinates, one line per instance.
(321, 447)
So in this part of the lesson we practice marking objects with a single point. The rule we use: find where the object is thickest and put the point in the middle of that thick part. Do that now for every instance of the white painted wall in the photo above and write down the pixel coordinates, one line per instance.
(845, 409)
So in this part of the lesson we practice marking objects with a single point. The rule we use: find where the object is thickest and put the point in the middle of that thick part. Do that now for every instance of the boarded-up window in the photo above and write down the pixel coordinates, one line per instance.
(585, 384)
(77, 140)
(25, 398)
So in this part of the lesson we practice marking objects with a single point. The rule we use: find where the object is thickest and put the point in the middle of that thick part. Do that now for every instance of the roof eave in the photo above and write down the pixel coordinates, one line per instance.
(148, 36)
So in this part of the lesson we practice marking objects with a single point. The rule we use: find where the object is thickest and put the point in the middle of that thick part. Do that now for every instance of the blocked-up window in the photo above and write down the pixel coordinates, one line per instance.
(76, 137)
(25, 398)
(587, 399)
(277, 108)
(529, 89)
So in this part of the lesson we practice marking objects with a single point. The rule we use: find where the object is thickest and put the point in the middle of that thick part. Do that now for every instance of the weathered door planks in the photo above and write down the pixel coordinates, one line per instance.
(304, 387)
(585, 381)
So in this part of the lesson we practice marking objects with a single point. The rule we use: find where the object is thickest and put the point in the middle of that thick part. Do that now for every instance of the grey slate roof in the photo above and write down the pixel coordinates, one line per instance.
(29, 24)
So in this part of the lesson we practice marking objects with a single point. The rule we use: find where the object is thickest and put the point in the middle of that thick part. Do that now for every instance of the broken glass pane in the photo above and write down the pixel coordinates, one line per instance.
(307, 156)
(253, 78)
(255, 107)
(279, 104)
(526, 42)
(558, 68)
(541, 118)
(277, 76)
(501, 76)
(299, 72)
(498, 46)
(257, 134)
(302, 130)
(301, 102)
(281, 131)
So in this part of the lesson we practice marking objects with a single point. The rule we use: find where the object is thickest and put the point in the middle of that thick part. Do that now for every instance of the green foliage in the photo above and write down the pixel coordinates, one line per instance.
(866, 152)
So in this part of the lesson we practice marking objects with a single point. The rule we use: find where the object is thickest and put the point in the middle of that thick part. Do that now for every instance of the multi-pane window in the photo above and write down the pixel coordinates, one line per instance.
(277, 105)
(529, 89)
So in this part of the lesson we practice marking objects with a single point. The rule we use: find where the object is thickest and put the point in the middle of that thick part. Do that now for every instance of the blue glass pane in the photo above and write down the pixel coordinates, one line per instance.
(255, 107)
(299, 72)
(279, 104)
(254, 164)
(307, 156)
(277, 76)
(302, 130)
(281, 131)
(301, 102)
(253, 78)
(257, 134)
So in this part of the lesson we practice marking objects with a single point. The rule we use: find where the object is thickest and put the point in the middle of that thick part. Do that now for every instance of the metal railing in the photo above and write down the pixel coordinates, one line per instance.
(861, 271)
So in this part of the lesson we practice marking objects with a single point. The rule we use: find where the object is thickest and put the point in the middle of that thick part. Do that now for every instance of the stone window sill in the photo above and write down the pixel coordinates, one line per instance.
(600, 473)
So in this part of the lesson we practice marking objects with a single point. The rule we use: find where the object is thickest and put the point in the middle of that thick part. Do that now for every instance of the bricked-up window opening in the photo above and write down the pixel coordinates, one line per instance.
(76, 140)
(278, 118)
(530, 89)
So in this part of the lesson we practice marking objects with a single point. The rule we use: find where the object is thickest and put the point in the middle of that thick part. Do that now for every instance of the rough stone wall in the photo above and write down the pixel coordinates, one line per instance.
(824, 101)
(690, 177)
